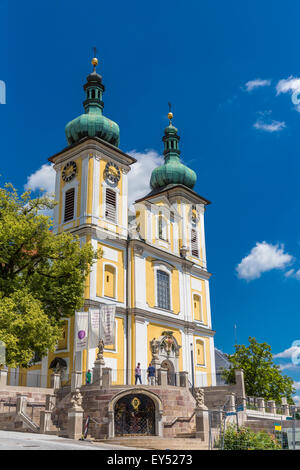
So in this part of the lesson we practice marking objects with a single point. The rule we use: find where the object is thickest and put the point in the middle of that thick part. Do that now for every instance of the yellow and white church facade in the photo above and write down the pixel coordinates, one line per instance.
(153, 265)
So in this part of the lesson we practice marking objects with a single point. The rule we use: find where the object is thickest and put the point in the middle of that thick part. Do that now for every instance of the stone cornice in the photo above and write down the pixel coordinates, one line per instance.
(190, 326)
(93, 145)
(189, 266)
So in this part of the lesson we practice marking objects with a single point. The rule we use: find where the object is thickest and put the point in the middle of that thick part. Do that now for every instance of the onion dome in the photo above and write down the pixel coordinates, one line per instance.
(92, 123)
(172, 171)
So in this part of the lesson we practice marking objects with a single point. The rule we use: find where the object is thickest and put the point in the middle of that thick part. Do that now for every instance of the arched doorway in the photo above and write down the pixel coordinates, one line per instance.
(166, 364)
(134, 414)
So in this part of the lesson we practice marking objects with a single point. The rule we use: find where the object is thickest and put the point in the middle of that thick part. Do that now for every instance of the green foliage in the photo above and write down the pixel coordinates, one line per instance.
(246, 439)
(42, 276)
(263, 378)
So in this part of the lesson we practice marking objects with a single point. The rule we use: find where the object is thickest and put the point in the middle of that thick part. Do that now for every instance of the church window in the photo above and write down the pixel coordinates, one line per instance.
(200, 356)
(69, 204)
(110, 205)
(93, 93)
(163, 290)
(162, 227)
(110, 281)
(63, 341)
(197, 307)
(194, 243)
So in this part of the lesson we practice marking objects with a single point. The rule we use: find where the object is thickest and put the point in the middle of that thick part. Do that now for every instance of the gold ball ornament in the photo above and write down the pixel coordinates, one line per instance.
(170, 115)
(95, 61)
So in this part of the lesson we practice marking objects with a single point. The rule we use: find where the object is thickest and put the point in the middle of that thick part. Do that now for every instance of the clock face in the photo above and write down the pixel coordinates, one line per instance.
(69, 171)
(112, 172)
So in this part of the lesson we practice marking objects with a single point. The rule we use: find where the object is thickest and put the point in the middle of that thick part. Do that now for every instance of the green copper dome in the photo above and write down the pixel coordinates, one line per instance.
(93, 123)
(172, 171)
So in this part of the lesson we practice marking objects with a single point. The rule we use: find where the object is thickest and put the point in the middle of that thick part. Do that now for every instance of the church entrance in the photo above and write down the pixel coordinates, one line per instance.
(171, 371)
(134, 415)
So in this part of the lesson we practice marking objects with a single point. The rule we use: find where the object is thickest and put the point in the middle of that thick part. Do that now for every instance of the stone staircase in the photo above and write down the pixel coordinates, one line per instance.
(158, 443)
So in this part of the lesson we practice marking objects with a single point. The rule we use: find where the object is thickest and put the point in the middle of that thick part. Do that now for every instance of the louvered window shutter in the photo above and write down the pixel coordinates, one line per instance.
(194, 240)
(69, 204)
(110, 205)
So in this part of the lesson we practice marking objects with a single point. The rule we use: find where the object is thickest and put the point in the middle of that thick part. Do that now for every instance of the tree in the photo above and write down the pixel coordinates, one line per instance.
(42, 276)
(263, 378)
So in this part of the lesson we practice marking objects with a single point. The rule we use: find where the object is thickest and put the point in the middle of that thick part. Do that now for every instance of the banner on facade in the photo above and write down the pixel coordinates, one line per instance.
(94, 328)
(81, 330)
(107, 323)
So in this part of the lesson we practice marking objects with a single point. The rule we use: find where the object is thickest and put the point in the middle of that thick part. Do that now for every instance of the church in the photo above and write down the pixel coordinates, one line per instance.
(153, 267)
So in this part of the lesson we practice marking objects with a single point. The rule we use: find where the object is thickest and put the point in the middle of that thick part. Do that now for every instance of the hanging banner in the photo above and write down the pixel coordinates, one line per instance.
(94, 328)
(81, 330)
(107, 324)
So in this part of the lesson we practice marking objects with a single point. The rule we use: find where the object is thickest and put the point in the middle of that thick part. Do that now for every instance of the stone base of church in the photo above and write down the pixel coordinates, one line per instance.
(174, 409)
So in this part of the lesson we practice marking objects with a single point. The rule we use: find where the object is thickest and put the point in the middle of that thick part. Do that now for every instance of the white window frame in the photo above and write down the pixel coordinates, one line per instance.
(162, 267)
(194, 227)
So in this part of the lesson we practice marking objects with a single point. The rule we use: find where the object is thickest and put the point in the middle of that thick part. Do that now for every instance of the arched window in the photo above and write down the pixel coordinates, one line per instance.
(194, 243)
(109, 281)
(197, 307)
(163, 290)
(162, 227)
(200, 356)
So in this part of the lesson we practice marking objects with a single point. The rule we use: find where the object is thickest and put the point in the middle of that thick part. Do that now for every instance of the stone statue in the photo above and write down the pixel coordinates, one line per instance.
(199, 397)
(154, 344)
(76, 399)
(100, 358)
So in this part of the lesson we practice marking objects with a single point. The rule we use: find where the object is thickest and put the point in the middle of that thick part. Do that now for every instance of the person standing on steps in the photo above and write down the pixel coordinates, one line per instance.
(88, 377)
(138, 373)
(151, 374)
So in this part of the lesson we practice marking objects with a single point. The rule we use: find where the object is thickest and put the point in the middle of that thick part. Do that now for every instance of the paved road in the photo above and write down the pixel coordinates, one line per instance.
(10, 440)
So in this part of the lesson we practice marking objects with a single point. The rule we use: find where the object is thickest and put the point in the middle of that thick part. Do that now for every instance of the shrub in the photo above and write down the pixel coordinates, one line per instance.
(245, 439)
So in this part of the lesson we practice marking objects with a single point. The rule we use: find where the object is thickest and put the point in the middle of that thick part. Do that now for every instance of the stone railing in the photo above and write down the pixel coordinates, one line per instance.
(268, 406)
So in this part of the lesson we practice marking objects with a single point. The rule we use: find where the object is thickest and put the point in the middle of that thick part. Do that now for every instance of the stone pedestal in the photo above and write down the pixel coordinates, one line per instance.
(45, 421)
(106, 377)
(55, 381)
(261, 405)
(285, 407)
(230, 402)
(21, 404)
(76, 380)
(3, 377)
(75, 423)
(272, 406)
(97, 374)
(240, 383)
(202, 424)
(163, 377)
(184, 379)
(50, 402)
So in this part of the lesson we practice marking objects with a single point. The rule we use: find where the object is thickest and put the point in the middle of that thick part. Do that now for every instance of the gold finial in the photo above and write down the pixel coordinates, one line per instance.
(170, 114)
(95, 60)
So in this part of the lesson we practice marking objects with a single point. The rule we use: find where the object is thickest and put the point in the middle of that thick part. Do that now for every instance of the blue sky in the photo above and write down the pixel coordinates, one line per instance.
(229, 69)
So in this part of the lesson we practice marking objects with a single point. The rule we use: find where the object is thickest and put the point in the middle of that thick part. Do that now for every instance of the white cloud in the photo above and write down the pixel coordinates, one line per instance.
(290, 85)
(263, 257)
(287, 353)
(289, 273)
(139, 176)
(296, 399)
(257, 83)
(43, 178)
(297, 386)
(271, 126)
